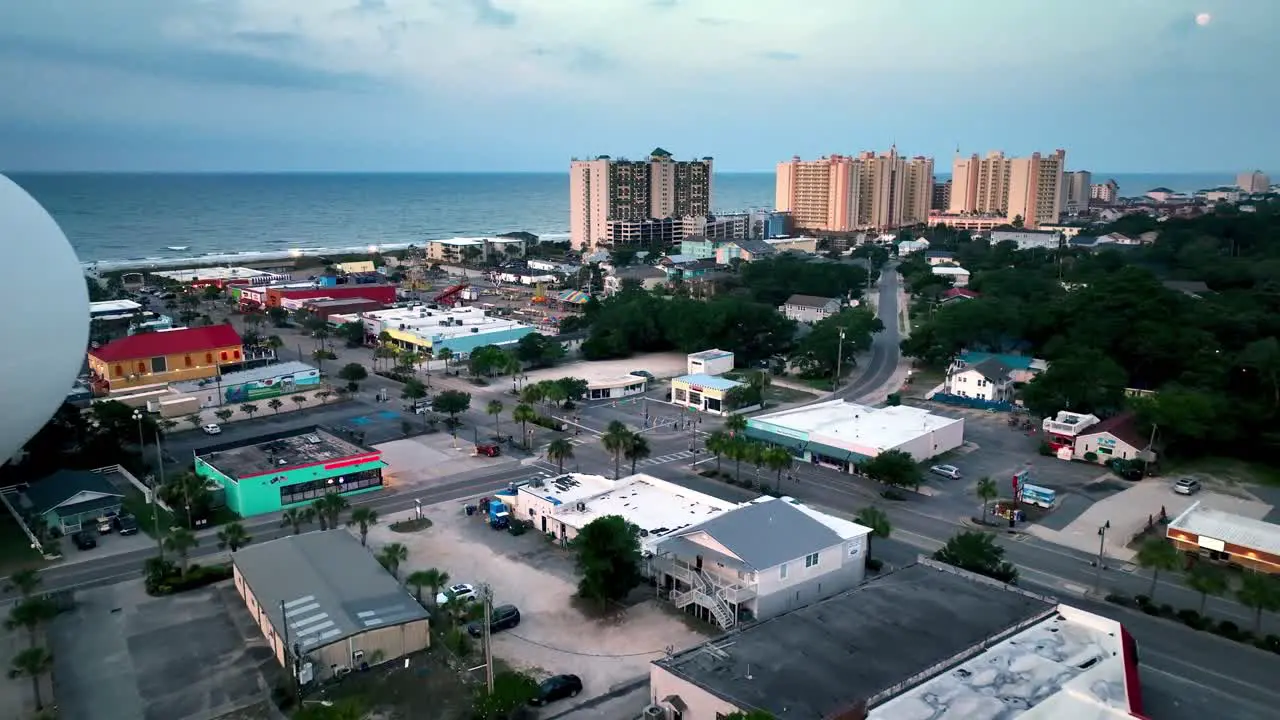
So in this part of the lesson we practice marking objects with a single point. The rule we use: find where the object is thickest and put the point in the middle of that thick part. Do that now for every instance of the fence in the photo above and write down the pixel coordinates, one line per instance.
(136, 483)
(17, 517)
(975, 403)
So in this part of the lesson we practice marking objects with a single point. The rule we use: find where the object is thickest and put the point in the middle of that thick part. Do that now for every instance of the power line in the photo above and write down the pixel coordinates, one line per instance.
(665, 650)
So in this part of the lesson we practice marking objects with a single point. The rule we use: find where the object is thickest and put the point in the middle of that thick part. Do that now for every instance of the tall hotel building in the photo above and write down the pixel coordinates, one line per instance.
(1027, 188)
(635, 201)
(842, 193)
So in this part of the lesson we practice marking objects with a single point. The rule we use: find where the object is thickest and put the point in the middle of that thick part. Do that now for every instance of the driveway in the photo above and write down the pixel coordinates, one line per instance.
(538, 577)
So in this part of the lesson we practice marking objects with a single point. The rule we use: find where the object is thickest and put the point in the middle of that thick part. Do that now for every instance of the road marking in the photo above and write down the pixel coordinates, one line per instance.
(1147, 653)
(663, 459)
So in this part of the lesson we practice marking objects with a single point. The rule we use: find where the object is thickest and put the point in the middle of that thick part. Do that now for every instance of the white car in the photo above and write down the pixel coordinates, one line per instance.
(211, 429)
(462, 592)
(947, 471)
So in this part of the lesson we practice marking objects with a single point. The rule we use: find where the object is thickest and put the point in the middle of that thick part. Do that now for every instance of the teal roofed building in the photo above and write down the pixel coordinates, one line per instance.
(1022, 367)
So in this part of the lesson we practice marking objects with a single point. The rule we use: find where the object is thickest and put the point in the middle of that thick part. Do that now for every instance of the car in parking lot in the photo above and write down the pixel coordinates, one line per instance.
(125, 524)
(947, 471)
(503, 617)
(557, 687)
(1186, 486)
(462, 592)
(84, 540)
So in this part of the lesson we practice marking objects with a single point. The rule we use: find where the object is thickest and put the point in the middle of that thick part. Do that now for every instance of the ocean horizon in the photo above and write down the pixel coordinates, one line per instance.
(141, 215)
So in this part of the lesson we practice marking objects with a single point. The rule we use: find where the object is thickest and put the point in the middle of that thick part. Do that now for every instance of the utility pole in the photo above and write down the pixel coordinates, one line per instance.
(835, 381)
(1102, 539)
(487, 594)
(155, 495)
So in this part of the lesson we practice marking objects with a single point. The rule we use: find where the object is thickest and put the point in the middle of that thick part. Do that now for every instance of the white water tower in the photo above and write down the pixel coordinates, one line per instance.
(45, 323)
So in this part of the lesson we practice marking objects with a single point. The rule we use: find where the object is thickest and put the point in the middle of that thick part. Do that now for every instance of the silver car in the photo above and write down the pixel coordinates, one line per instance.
(1187, 486)
(947, 471)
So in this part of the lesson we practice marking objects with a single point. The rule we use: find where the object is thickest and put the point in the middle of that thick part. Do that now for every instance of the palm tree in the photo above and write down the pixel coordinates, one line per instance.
(323, 396)
(986, 491)
(735, 424)
(392, 556)
(332, 506)
(30, 614)
(1207, 580)
(319, 356)
(34, 663)
(446, 355)
(524, 414)
(275, 405)
(876, 519)
(24, 582)
(232, 537)
(179, 541)
(616, 439)
(740, 450)
(249, 409)
(1261, 593)
(365, 517)
(297, 517)
(494, 408)
(1157, 554)
(777, 459)
(299, 400)
(637, 449)
(195, 420)
(558, 451)
(718, 444)
(432, 578)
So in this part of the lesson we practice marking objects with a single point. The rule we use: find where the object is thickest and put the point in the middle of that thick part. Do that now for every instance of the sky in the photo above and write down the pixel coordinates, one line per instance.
(526, 85)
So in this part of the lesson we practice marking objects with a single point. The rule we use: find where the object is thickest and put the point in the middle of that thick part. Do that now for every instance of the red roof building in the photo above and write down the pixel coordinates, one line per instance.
(385, 294)
(1116, 438)
(157, 358)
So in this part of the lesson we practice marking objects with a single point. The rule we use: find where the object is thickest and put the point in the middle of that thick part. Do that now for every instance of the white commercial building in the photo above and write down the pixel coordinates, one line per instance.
(461, 330)
(223, 275)
(710, 362)
(113, 309)
(620, 386)
(1028, 239)
(842, 434)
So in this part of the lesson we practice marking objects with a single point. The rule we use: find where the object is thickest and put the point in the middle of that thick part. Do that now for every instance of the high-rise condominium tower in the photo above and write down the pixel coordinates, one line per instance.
(1254, 183)
(1077, 190)
(1104, 193)
(841, 193)
(1026, 189)
(606, 190)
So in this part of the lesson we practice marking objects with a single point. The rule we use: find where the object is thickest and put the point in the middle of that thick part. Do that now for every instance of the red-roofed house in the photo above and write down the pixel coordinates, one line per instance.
(1115, 437)
(956, 293)
(157, 358)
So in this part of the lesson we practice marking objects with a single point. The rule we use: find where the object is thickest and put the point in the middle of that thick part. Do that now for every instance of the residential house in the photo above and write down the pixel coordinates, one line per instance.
(678, 267)
(955, 293)
(1114, 438)
(906, 247)
(1116, 238)
(68, 500)
(1191, 288)
(1028, 239)
(809, 308)
(648, 276)
(1022, 367)
(959, 276)
(990, 380)
(758, 561)
(745, 251)
(940, 257)
(808, 245)
(701, 248)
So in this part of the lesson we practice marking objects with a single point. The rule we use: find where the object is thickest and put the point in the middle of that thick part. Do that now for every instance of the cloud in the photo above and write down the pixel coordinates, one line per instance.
(780, 55)
(489, 14)
(714, 21)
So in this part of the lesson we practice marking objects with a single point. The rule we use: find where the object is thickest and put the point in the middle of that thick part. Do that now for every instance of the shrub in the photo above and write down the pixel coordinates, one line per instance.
(1191, 619)
(1118, 599)
(548, 423)
(1226, 629)
(1045, 449)
(1270, 642)
(197, 576)
(1167, 610)
(1142, 600)
(1149, 609)
(1091, 457)
(893, 399)
(874, 564)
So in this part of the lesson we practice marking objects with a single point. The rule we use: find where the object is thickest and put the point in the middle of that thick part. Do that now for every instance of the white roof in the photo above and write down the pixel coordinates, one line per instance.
(213, 273)
(569, 488)
(426, 322)
(884, 428)
(647, 502)
(949, 270)
(461, 242)
(109, 306)
(1234, 529)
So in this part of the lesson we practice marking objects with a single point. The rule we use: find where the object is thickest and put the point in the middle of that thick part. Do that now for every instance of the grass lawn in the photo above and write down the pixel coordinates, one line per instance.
(427, 688)
(1230, 470)
(924, 380)
(136, 505)
(15, 547)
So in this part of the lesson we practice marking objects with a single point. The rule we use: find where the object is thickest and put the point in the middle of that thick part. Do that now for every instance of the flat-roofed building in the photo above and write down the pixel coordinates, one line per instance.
(461, 329)
(223, 276)
(326, 606)
(1227, 537)
(919, 642)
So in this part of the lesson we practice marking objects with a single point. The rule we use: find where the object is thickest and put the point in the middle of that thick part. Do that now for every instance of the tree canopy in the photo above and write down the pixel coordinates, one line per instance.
(608, 551)
(1206, 363)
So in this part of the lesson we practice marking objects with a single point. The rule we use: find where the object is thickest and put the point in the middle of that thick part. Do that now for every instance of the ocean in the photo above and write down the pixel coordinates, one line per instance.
(115, 217)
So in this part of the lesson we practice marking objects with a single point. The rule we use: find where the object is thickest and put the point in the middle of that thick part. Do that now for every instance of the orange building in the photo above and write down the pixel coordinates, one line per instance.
(158, 358)
(1227, 538)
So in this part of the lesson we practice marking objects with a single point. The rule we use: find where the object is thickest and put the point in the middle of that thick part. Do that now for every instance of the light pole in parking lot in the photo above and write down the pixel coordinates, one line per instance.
(1102, 539)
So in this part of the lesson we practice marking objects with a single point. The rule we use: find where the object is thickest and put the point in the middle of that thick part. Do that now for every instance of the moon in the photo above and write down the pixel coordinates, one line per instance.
(1203, 19)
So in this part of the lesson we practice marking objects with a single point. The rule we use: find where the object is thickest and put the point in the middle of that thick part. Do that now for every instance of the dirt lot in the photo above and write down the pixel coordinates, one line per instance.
(554, 636)
(428, 460)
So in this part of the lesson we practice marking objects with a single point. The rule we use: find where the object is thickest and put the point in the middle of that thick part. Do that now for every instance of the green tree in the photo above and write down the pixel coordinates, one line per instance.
(817, 353)
(524, 414)
(24, 582)
(608, 559)
(719, 444)
(895, 468)
(616, 439)
(365, 517)
(33, 663)
(558, 451)
(494, 409)
(637, 449)
(735, 425)
(299, 400)
(330, 508)
(1084, 381)
(1260, 593)
(392, 556)
(741, 449)
(986, 491)
(451, 403)
(1157, 555)
(224, 414)
(777, 459)
(445, 355)
(297, 517)
(354, 374)
(351, 333)
(511, 692)
(180, 541)
(275, 404)
(1207, 580)
(977, 552)
(194, 420)
(232, 537)
(752, 715)
(877, 521)
(431, 578)
(30, 614)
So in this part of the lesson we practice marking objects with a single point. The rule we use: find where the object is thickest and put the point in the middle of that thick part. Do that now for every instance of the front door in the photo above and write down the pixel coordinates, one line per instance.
(544, 523)
(698, 563)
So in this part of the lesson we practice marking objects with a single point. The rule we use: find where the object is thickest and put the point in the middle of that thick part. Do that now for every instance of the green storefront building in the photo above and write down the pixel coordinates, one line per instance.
(289, 469)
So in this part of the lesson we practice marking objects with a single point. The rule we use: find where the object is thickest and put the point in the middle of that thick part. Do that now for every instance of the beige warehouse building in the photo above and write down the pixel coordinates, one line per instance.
(326, 606)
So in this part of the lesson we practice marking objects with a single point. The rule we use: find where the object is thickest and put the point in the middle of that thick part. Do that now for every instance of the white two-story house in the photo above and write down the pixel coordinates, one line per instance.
(758, 561)
(989, 380)
(809, 308)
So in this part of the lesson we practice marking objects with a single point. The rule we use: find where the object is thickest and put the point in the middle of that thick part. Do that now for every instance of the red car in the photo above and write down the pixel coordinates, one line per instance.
(488, 450)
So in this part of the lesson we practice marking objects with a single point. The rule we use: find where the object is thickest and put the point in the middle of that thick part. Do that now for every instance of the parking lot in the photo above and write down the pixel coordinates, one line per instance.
(538, 577)
(124, 655)
(428, 460)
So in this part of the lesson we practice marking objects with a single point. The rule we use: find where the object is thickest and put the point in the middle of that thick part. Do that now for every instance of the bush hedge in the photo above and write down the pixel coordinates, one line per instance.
(548, 423)
(197, 576)
(1196, 621)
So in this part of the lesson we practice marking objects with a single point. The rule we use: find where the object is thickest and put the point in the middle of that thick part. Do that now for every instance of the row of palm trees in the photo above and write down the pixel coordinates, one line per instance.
(1257, 591)
(623, 442)
(30, 614)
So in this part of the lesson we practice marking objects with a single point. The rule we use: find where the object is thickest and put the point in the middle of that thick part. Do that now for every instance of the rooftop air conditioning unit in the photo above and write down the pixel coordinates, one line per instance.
(475, 330)
(654, 712)
(582, 507)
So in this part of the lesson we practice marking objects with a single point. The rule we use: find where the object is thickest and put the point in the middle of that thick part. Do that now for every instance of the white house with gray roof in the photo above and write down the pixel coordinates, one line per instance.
(759, 560)
(325, 605)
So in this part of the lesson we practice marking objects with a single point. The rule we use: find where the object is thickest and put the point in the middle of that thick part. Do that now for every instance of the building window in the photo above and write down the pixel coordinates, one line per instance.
(208, 358)
(307, 491)
(142, 367)
(235, 354)
(782, 571)
(187, 361)
(811, 560)
(678, 395)
(224, 355)
(158, 364)
(118, 371)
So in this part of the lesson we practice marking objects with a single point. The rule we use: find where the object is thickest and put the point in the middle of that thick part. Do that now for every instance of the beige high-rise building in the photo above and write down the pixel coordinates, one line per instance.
(1077, 190)
(840, 193)
(606, 190)
(1028, 187)
(1104, 193)
(1254, 183)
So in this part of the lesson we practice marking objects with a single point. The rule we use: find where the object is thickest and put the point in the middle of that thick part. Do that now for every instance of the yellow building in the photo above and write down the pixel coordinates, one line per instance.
(704, 393)
(158, 358)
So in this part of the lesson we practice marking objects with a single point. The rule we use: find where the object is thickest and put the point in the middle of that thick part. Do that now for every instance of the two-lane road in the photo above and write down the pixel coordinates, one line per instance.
(885, 353)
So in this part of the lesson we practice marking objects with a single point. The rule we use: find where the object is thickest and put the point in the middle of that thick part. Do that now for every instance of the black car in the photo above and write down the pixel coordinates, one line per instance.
(125, 524)
(84, 540)
(557, 687)
(503, 617)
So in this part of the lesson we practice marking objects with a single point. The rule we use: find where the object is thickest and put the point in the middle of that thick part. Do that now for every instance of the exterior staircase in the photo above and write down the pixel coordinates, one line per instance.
(705, 594)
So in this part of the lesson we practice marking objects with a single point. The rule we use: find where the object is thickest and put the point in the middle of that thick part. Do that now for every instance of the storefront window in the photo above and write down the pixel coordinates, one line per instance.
(307, 491)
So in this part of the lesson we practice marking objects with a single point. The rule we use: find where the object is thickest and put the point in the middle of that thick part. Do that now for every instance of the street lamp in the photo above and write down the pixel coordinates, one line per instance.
(1102, 539)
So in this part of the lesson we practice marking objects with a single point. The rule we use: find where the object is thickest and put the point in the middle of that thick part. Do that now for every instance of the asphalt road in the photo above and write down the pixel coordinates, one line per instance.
(884, 355)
